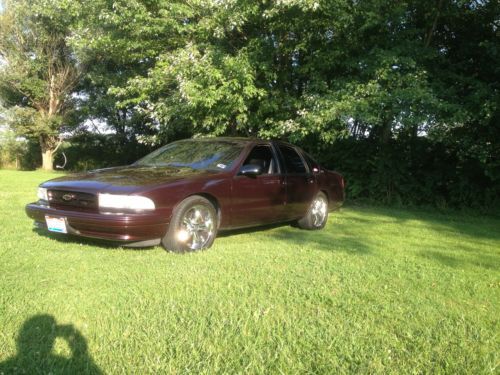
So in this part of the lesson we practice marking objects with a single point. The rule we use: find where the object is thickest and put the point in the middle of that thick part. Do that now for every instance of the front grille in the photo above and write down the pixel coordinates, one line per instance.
(72, 199)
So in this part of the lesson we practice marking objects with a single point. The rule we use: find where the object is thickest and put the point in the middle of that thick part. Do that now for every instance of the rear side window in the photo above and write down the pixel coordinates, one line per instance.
(293, 161)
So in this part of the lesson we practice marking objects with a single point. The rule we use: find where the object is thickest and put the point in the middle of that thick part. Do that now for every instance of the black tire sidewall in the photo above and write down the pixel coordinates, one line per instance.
(170, 242)
(307, 221)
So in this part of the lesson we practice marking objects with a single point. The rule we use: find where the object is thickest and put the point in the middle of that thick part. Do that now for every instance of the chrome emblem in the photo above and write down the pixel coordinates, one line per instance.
(68, 197)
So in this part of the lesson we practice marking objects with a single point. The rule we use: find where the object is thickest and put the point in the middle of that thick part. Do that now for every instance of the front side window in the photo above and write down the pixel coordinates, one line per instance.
(262, 156)
(293, 161)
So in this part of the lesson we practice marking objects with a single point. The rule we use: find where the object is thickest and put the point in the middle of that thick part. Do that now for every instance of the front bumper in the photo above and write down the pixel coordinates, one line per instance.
(134, 229)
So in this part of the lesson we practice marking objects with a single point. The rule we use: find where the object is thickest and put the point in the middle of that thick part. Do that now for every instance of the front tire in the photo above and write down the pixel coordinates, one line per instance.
(193, 226)
(317, 214)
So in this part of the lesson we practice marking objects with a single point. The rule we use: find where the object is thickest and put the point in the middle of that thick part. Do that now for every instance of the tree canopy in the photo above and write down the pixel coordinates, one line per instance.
(294, 68)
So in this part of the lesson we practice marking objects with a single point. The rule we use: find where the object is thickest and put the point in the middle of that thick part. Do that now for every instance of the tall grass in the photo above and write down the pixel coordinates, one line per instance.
(379, 290)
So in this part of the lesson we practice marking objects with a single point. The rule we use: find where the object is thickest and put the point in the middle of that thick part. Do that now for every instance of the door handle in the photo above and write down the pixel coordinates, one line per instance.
(270, 182)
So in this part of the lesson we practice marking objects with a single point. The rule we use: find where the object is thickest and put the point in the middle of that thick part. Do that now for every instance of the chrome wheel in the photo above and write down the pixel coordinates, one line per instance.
(197, 227)
(319, 210)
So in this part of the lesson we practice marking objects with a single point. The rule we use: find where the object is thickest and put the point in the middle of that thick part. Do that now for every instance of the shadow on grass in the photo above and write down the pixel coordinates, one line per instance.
(479, 260)
(71, 239)
(459, 234)
(339, 239)
(323, 240)
(35, 355)
(450, 223)
(363, 230)
(336, 238)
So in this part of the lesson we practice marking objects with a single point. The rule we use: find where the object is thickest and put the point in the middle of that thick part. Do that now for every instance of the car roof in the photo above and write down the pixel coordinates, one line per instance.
(244, 140)
(232, 139)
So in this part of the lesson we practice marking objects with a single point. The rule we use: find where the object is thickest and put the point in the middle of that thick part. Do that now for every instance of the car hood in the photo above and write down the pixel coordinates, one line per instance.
(125, 180)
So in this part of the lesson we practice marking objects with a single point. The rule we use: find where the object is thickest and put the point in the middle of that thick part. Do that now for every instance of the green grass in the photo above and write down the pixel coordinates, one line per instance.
(380, 290)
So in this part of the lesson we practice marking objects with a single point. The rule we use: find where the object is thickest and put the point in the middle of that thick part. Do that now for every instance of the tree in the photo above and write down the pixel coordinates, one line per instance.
(285, 69)
(399, 85)
(39, 73)
(119, 41)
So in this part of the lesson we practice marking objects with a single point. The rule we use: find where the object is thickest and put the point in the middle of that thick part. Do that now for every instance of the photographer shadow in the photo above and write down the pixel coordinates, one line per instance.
(35, 354)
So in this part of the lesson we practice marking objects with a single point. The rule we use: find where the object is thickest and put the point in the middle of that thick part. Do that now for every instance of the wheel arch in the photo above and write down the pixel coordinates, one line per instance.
(324, 191)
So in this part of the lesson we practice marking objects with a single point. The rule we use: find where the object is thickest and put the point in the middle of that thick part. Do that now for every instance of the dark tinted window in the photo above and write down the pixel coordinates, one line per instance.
(293, 161)
(263, 157)
(313, 164)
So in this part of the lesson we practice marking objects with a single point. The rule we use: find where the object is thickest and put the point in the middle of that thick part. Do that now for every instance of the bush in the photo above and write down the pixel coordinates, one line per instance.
(17, 152)
(91, 151)
(416, 172)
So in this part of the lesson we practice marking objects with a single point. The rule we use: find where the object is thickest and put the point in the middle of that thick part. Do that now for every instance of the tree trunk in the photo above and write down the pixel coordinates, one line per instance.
(48, 160)
(428, 38)
(49, 145)
(386, 132)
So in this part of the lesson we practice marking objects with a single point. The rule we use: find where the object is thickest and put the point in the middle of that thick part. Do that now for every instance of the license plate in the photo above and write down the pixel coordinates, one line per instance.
(56, 224)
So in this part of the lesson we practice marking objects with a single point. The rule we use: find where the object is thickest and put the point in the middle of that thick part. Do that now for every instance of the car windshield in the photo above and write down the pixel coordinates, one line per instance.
(195, 154)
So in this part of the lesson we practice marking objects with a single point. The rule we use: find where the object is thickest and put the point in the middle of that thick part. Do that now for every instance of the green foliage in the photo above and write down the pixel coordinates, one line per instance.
(117, 42)
(11, 149)
(297, 68)
(389, 77)
(36, 59)
(17, 153)
(91, 151)
(377, 291)
(39, 71)
(214, 90)
(411, 173)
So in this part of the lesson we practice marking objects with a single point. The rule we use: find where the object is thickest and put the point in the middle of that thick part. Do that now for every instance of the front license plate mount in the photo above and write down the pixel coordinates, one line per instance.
(56, 224)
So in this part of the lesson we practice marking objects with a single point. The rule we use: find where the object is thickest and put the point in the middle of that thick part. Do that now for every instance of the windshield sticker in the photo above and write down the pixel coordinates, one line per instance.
(221, 166)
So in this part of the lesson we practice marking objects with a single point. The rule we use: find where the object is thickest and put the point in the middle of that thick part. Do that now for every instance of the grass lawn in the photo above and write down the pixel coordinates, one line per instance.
(380, 290)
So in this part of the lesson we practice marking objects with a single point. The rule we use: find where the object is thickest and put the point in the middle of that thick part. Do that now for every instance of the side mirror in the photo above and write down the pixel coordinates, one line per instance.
(251, 170)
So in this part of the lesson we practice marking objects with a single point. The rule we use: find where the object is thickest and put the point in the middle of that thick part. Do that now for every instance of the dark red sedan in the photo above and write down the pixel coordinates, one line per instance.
(182, 194)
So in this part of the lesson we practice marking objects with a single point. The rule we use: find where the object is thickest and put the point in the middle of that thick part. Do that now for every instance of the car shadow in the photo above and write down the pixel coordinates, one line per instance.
(353, 235)
(260, 228)
(35, 354)
(71, 239)
(336, 237)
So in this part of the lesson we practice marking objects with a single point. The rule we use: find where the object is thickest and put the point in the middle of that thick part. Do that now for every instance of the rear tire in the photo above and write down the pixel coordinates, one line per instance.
(193, 226)
(317, 214)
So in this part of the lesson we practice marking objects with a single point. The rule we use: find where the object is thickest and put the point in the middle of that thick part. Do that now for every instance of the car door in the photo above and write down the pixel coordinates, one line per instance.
(259, 199)
(300, 182)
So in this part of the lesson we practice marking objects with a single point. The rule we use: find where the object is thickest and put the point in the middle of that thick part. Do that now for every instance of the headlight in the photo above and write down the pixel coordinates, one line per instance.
(128, 202)
(42, 194)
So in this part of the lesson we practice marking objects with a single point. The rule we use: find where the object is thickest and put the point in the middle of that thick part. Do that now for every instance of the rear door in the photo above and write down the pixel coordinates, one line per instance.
(300, 182)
